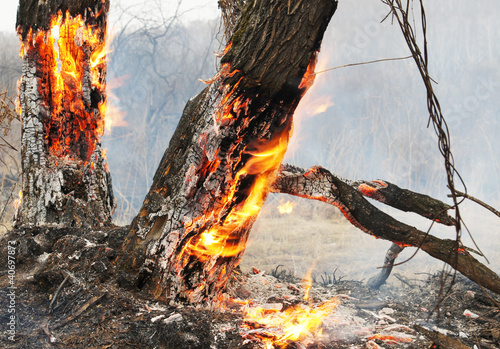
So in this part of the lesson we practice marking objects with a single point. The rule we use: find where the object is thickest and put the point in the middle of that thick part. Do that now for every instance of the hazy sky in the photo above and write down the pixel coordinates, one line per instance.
(202, 9)
(8, 15)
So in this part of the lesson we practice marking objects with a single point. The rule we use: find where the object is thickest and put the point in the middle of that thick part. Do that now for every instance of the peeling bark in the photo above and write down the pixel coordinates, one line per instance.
(214, 177)
(319, 184)
(65, 177)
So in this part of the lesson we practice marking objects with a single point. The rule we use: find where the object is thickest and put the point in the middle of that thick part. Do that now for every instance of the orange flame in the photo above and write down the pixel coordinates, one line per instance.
(286, 207)
(71, 61)
(222, 239)
(18, 202)
(307, 280)
(298, 323)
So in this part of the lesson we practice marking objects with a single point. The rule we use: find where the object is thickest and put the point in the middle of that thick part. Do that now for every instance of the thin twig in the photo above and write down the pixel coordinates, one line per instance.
(477, 201)
(362, 63)
(57, 292)
(80, 311)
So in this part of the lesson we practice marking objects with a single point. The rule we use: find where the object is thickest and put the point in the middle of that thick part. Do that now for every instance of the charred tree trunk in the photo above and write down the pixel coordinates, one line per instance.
(214, 177)
(62, 101)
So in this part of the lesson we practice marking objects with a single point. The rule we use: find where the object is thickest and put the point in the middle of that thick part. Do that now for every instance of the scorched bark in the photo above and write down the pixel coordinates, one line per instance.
(62, 98)
(213, 179)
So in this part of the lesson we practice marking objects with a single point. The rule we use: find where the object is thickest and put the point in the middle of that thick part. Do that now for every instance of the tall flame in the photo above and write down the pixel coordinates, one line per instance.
(221, 239)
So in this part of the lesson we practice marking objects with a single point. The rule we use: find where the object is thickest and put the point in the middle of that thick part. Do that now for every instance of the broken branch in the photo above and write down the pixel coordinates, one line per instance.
(80, 311)
(405, 200)
(320, 184)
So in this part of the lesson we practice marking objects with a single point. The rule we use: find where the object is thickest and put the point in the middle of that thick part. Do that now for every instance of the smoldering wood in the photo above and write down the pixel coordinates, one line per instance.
(260, 86)
(69, 188)
(386, 269)
(320, 184)
(405, 200)
(441, 340)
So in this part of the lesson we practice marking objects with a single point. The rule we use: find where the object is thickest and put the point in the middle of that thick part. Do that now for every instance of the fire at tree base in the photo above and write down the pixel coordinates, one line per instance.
(67, 285)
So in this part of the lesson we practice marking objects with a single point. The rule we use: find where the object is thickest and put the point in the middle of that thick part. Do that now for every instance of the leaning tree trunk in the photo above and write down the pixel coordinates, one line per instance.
(215, 175)
(62, 101)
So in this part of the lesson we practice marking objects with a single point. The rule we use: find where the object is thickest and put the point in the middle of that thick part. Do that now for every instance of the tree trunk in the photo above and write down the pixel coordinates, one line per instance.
(62, 101)
(215, 175)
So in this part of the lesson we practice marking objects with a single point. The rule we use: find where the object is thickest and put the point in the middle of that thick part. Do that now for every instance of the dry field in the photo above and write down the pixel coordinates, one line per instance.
(315, 231)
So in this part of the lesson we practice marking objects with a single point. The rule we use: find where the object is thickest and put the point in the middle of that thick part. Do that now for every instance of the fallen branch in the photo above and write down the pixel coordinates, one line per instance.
(440, 339)
(319, 184)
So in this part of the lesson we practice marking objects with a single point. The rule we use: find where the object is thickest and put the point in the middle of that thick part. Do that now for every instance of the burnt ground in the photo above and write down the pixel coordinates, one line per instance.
(68, 295)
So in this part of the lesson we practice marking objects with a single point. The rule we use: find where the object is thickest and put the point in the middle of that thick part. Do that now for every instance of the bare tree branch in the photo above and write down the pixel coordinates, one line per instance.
(318, 183)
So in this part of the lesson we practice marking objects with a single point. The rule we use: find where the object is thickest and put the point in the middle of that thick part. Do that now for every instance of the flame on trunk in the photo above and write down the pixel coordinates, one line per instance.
(222, 238)
(71, 58)
(259, 162)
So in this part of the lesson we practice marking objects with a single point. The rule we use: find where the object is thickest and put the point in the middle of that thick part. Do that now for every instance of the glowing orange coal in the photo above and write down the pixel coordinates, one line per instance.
(71, 63)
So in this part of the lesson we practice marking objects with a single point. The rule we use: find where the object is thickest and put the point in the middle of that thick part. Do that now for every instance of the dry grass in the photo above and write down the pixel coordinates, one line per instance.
(317, 232)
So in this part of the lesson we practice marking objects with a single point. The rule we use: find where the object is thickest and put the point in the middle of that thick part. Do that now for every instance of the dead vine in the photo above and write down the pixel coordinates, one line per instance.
(401, 14)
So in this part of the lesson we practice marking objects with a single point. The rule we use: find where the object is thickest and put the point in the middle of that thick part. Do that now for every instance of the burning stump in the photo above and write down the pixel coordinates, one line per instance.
(63, 105)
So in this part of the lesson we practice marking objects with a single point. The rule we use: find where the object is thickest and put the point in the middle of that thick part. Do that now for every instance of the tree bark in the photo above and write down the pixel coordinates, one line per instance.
(319, 184)
(62, 100)
(214, 177)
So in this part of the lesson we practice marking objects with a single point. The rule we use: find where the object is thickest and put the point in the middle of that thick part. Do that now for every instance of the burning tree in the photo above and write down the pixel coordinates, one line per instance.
(223, 160)
(225, 157)
(62, 102)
